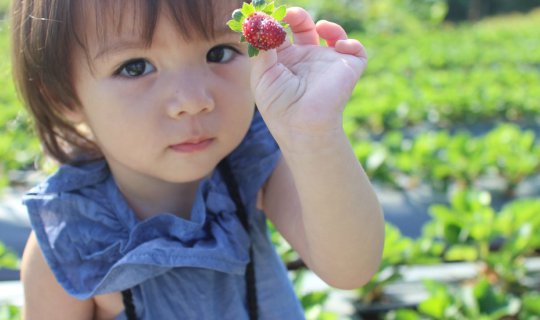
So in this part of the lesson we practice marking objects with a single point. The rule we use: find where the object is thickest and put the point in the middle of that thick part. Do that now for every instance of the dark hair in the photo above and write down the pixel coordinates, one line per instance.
(44, 34)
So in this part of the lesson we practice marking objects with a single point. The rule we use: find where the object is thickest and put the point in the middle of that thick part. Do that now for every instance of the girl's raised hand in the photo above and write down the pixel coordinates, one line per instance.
(302, 88)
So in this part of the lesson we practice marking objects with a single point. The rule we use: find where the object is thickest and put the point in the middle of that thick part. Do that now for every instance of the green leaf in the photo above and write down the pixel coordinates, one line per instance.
(247, 9)
(238, 15)
(269, 9)
(461, 252)
(435, 306)
(9, 312)
(8, 259)
(259, 4)
(488, 299)
(280, 13)
(242, 39)
(252, 51)
(235, 25)
(440, 299)
(531, 302)
(314, 298)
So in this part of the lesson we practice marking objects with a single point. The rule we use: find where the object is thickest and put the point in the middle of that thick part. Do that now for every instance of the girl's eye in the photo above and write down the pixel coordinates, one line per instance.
(135, 68)
(221, 54)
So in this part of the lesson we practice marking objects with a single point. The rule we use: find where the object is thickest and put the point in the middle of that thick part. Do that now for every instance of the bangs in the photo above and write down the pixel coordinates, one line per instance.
(193, 18)
(45, 34)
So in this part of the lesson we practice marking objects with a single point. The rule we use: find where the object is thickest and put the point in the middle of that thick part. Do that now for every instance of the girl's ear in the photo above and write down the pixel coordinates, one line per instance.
(74, 115)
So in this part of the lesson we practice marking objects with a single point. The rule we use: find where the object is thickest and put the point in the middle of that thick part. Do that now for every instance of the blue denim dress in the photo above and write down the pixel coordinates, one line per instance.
(176, 268)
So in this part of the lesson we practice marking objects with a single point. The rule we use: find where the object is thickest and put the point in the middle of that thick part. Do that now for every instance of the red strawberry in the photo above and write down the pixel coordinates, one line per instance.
(259, 23)
(262, 31)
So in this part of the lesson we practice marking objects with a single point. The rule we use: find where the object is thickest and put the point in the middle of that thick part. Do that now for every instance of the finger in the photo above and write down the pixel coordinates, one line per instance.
(352, 47)
(302, 26)
(331, 32)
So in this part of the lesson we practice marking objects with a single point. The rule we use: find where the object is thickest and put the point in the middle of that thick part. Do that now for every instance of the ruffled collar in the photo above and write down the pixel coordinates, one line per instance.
(94, 243)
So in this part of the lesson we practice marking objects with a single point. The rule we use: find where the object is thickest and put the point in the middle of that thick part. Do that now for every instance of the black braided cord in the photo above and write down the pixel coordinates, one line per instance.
(129, 307)
(232, 187)
(234, 191)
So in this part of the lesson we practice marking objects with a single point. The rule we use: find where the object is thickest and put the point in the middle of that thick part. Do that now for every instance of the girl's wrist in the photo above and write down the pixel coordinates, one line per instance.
(313, 144)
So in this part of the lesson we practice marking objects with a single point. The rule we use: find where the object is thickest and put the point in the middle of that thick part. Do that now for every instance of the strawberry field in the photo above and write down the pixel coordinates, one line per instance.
(447, 114)
(449, 118)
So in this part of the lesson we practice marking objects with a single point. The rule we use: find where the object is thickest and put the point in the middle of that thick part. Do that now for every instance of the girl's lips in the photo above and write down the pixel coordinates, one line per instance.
(192, 146)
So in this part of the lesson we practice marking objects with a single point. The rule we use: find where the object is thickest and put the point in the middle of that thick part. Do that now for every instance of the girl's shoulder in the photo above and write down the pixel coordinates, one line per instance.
(75, 218)
(44, 297)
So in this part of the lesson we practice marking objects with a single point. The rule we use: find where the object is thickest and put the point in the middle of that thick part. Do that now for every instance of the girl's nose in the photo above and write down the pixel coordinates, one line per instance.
(191, 96)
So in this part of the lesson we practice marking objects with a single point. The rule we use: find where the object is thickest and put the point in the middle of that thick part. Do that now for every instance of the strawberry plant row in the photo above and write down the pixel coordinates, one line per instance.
(445, 98)
(508, 40)
(468, 229)
(441, 159)
(454, 75)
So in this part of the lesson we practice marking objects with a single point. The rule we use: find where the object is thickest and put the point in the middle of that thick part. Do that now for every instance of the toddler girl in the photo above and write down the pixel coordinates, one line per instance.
(168, 170)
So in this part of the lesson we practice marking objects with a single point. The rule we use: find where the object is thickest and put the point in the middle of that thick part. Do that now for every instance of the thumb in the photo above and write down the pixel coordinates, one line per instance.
(261, 65)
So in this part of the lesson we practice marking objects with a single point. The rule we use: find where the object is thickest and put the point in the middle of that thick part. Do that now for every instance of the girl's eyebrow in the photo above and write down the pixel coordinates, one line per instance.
(223, 32)
(117, 46)
(120, 45)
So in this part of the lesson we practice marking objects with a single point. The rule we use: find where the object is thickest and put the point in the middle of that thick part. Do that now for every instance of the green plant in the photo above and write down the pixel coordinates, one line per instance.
(8, 260)
(530, 305)
(10, 312)
(473, 231)
(443, 160)
(467, 229)
(4, 7)
(450, 76)
(477, 300)
(19, 148)
(513, 153)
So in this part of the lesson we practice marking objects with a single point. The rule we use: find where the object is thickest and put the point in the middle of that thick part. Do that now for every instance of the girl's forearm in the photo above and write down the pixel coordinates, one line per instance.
(341, 216)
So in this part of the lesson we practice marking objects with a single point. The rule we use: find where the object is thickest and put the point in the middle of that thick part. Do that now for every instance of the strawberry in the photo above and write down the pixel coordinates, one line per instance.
(259, 23)
(263, 32)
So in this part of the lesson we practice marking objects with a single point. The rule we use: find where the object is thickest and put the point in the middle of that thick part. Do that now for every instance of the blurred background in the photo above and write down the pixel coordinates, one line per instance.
(445, 120)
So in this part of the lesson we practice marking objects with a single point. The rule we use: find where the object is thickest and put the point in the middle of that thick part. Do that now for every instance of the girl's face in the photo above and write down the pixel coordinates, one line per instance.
(168, 111)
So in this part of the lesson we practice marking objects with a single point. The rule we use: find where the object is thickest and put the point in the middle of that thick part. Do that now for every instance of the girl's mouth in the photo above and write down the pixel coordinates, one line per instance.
(193, 145)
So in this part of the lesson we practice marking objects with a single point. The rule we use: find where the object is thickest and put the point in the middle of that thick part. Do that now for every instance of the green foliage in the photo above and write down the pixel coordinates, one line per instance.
(479, 300)
(7, 258)
(458, 75)
(18, 147)
(441, 159)
(418, 86)
(4, 8)
(469, 229)
(10, 312)
(466, 225)
(531, 305)
(377, 16)
(473, 231)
